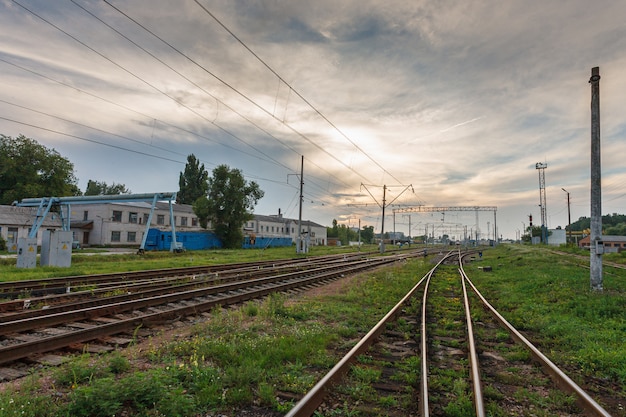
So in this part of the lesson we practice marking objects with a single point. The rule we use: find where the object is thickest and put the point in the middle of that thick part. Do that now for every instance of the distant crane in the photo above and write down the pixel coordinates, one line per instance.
(541, 167)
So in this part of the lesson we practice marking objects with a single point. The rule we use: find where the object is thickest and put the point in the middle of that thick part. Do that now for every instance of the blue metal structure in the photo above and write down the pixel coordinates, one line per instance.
(44, 205)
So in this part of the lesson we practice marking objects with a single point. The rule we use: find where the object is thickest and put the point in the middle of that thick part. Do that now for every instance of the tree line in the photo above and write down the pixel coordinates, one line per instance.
(612, 224)
(346, 234)
(225, 200)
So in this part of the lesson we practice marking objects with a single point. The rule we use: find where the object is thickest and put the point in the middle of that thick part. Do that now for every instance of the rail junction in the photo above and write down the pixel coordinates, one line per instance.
(453, 349)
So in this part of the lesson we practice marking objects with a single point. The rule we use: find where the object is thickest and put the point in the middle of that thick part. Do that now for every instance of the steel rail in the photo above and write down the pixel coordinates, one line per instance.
(141, 289)
(314, 397)
(60, 284)
(479, 405)
(561, 379)
(18, 351)
(31, 323)
(424, 403)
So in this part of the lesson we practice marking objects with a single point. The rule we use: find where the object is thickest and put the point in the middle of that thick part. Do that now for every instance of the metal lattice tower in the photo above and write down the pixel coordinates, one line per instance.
(542, 200)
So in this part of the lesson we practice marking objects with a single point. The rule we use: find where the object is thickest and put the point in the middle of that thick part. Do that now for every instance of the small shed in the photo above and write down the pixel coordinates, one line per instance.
(612, 244)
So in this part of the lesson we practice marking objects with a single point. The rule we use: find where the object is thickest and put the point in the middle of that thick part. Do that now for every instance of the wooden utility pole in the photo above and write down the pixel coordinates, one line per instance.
(597, 246)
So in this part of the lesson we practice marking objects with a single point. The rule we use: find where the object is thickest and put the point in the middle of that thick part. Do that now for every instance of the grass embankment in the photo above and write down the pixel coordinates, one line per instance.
(245, 357)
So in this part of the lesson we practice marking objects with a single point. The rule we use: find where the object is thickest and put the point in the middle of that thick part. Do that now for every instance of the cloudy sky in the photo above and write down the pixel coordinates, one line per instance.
(445, 104)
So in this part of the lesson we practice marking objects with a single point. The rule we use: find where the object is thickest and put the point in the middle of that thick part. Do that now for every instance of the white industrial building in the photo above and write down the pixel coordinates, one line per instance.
(124, 223)
(17, 222)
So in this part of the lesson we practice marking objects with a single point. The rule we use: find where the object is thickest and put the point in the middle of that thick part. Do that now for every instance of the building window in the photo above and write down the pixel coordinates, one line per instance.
(117, 216)
(194, 221)
(12, 235)
(131, 237)
(115, 236)
(160, 219)
(292, 230)
(85, 215)
(133, 217)
(183, 221)
(145, 218)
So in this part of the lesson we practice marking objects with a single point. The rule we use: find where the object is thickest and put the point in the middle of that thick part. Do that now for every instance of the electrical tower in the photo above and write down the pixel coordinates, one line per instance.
(542, 200)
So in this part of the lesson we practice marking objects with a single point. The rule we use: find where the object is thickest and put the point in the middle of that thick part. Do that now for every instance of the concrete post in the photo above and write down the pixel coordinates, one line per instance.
(597, 247)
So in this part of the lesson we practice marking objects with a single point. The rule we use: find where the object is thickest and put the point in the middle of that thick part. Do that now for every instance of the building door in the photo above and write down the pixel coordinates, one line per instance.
(85, 238)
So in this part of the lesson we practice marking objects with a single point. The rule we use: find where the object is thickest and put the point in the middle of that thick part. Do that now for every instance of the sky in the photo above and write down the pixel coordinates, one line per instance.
(401, 105)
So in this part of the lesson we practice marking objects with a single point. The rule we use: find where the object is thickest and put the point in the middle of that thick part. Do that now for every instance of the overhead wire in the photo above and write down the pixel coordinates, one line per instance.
(239, 93)
(315, 109)
(89, 140)
(247, 119)
(124, 107)
(179, 102)
(123, 69)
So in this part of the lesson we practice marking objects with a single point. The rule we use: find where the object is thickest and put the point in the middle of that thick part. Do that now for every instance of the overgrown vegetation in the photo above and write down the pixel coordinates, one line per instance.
(548, 297)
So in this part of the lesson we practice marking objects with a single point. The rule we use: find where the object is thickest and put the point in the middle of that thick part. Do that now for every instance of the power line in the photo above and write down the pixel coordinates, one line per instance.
(196, 85)
(235, 90)
(182, 129)
(294, 90)
(89, 140)
(179, 102)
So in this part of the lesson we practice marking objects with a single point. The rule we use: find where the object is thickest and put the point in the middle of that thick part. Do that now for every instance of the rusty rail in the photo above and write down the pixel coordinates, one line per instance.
(561, 379)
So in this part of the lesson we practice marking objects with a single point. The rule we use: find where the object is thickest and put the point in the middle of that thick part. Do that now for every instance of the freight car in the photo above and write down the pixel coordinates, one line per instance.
(198, 240)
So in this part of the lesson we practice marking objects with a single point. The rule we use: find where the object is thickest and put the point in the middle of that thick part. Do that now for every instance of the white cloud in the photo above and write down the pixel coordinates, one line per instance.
(460, 99)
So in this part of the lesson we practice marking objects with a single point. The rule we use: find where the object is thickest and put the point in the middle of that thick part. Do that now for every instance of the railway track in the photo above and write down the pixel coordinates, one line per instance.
(27, 333)
(11, 290)
(424, 358)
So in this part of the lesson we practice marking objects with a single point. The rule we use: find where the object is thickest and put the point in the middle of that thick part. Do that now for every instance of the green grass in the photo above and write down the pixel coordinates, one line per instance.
(549, 298)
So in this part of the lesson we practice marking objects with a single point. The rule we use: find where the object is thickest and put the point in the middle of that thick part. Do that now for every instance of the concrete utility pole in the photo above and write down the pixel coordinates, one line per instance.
(569, 218)
(541, 167)
(597, 246)
(299, 246)
(382, 227)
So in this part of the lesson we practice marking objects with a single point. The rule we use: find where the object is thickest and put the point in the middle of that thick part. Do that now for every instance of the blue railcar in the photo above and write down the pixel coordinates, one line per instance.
(162, 240)
(265, 242)
(198, 240)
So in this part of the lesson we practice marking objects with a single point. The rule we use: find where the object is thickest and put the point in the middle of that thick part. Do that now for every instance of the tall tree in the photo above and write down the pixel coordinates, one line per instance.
(228, 204)
(29, 169)
(193, 182)
(102, 188)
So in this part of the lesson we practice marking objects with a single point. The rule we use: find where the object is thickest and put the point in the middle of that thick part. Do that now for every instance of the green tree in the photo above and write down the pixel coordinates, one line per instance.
(333, 231)
(30, 170)
(193, 182)
(102, 188)
(228, 204)
(367, 234)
